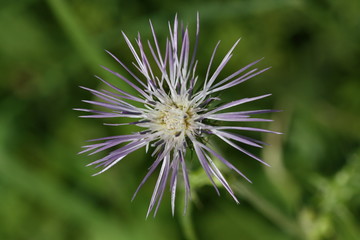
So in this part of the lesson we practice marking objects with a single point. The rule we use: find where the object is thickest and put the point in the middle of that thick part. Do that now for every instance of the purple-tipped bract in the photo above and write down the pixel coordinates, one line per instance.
(174, 117)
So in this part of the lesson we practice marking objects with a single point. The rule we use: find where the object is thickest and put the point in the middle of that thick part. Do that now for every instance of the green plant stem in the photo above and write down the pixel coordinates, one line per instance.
(186, 222)
(77, 35)
(284, 222)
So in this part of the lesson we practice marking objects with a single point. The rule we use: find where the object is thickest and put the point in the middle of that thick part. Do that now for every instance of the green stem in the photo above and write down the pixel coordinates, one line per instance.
(186, 222)
(285, 223)
(86, 47)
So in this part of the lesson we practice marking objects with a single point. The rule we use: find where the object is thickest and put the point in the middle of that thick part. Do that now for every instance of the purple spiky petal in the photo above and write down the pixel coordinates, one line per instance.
(172, 117)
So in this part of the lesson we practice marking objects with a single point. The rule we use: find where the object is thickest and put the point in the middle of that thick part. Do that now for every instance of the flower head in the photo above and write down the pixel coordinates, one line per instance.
(173, 117)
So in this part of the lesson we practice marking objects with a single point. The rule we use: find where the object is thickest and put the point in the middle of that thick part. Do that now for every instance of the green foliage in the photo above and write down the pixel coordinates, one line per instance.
(48, 49)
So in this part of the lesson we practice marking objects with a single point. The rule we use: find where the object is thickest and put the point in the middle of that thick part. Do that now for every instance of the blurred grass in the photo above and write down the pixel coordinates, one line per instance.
(48, 49)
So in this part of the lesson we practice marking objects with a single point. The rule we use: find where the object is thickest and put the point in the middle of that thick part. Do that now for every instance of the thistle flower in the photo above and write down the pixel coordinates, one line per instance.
(174, 118)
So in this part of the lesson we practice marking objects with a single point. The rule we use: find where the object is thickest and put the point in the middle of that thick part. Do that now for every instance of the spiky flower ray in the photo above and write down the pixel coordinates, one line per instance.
(174, 117)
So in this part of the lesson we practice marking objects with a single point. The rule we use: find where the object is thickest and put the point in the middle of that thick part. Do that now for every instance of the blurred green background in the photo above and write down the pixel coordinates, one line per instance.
(312, 191)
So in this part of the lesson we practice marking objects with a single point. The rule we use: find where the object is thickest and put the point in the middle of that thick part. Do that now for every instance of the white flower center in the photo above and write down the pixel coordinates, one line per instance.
(173, 119)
